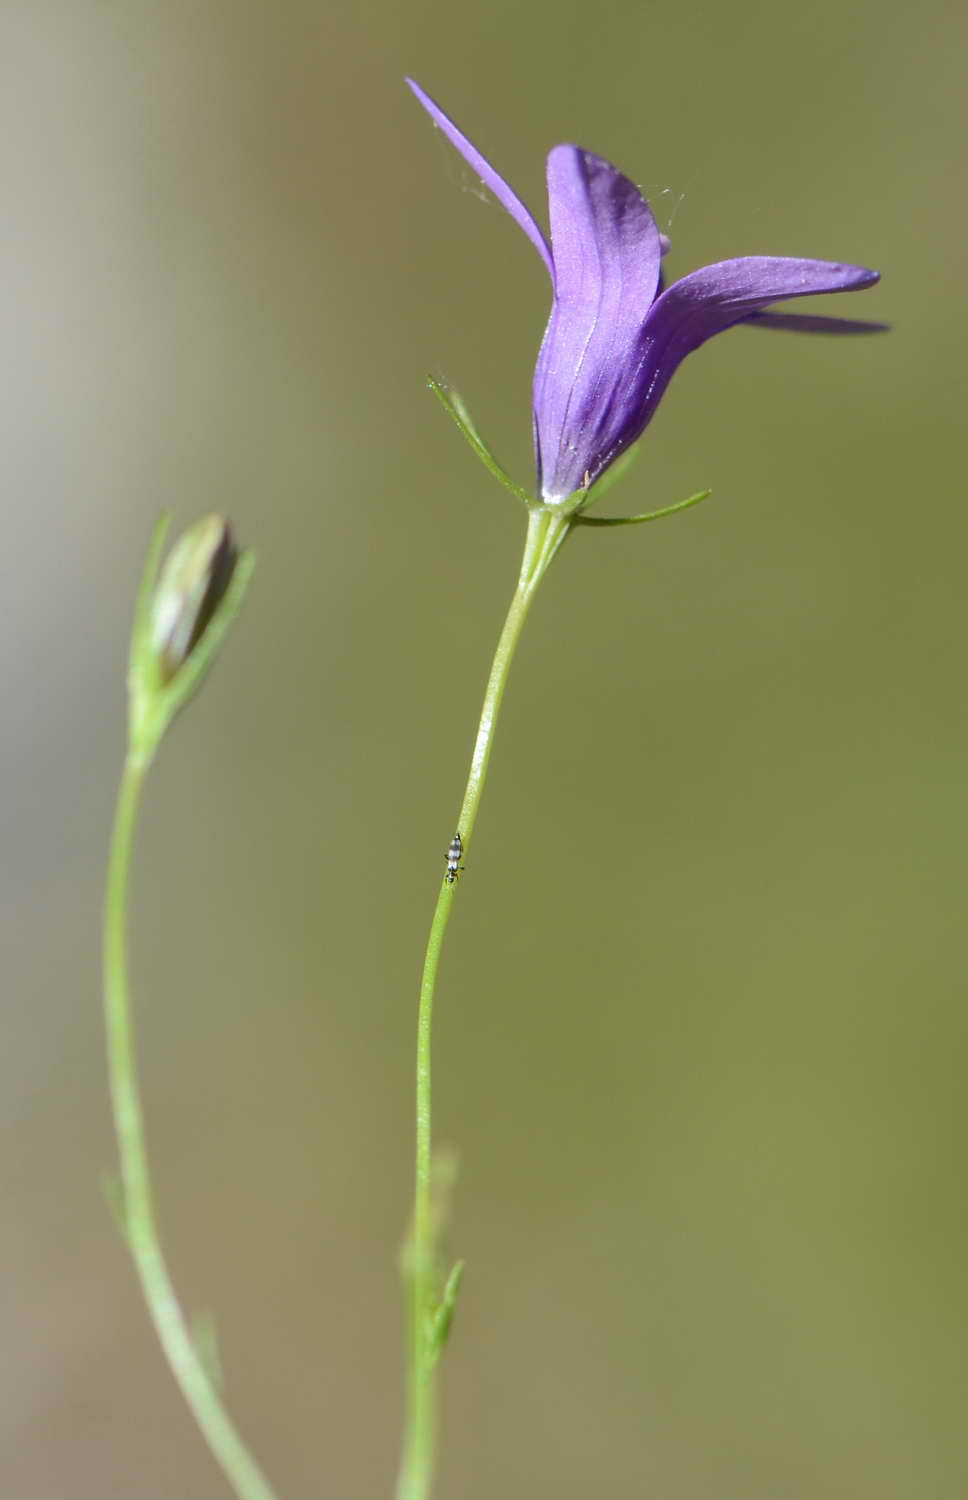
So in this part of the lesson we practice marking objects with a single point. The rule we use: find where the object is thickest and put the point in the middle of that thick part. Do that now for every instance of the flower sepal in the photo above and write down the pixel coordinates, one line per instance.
(455, 407)
(615, 471)
(183, 613)
(649, 515)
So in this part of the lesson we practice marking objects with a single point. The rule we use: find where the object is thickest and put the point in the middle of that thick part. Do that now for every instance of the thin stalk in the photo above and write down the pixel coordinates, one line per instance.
(138, 1216)
(547, 530)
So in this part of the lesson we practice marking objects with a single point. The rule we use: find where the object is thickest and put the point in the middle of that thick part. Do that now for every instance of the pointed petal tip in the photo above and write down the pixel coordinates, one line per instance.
(833, 276)
(850, 278)
(865, 276)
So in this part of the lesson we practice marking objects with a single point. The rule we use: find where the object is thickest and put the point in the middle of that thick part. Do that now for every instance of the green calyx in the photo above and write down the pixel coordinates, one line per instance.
(576, 505)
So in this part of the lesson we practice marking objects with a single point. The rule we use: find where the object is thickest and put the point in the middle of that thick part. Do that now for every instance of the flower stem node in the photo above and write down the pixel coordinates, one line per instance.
(182, 616)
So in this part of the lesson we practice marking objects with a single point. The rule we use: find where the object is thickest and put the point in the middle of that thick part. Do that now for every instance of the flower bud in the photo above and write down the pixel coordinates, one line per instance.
(193, 583)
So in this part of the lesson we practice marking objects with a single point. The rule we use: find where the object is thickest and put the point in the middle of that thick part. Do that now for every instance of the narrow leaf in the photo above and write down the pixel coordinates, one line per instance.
(443, 1315)
(453, 404)
(652, 515)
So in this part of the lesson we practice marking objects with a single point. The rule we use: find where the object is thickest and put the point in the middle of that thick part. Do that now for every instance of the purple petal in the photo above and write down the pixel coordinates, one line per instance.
(710, 300)
(717, 296)
(491, 179)
(813, 323)
(606, 253)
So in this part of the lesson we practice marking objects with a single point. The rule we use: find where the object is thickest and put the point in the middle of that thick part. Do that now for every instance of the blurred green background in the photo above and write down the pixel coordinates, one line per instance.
(701, 1033)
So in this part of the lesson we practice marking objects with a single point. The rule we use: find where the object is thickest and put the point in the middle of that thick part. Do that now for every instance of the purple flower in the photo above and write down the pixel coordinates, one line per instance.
(615, 337)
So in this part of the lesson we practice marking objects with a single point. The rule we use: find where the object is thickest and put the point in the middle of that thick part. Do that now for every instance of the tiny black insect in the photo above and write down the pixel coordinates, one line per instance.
(455, 851)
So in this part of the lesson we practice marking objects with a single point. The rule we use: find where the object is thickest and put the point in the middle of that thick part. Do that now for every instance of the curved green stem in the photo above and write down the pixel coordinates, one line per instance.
(138, 1214)
(547, 530)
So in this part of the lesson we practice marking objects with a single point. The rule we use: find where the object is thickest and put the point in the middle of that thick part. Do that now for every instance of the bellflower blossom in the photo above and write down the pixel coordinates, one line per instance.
(615, 337)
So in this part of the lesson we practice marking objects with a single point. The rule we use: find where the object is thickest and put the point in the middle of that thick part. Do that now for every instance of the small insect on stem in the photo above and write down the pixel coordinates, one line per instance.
(455, 852)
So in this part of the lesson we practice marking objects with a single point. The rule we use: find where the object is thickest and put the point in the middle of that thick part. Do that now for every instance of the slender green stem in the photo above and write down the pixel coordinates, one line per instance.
(140, 1226)
(547, 530)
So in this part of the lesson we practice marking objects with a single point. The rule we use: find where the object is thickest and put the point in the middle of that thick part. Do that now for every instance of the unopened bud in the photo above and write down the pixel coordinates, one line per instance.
(192, 585)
